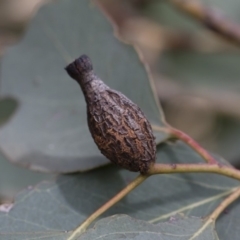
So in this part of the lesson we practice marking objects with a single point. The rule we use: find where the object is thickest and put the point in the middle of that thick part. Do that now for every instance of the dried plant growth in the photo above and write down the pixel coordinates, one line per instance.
(117, 125)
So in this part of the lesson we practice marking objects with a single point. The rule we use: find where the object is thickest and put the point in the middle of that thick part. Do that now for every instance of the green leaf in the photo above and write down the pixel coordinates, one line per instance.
(14, 178)
(125, 227)
(50, 128)
(53, 208)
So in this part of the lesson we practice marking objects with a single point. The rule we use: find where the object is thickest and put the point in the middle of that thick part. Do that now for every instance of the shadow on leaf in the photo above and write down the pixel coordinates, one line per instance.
(8, 107)
(86, 192)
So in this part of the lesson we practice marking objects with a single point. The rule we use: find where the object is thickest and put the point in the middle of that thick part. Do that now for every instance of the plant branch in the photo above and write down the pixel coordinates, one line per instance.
(175, 133)
(78, 231)
(220, 169)
(211, 18)
(193, 144)
(212, 218)
(223, 205)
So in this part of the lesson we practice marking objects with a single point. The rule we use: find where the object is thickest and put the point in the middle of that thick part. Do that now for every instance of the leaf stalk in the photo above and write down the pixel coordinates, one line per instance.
(82, 228)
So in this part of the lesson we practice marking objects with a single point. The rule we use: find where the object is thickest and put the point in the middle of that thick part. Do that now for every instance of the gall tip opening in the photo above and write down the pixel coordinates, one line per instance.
(79, 66)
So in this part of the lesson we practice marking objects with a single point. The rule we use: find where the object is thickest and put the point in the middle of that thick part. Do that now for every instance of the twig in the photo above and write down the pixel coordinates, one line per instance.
(189, 141)
(212, 218)
(159, 168)
(107, 205)
(230, 199)
(193, 144)
(211, 18)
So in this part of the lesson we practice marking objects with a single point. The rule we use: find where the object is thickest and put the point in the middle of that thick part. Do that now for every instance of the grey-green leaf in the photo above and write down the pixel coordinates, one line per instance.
(14, 178)
(57, 207)
(49, 131)
(125, 227)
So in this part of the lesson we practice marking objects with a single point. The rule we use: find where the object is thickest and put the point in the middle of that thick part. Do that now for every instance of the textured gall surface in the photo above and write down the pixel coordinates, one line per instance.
(117, 125)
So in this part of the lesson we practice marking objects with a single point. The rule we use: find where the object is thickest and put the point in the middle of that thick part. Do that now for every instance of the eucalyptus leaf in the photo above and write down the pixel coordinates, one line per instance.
(123, 226)
(14, 178)
(49, 131)
(51, 210)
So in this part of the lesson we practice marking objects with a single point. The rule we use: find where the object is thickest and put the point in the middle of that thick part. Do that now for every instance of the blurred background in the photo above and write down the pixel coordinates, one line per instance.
(196, 73)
